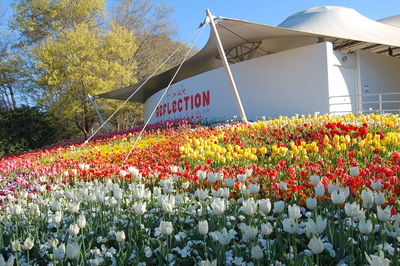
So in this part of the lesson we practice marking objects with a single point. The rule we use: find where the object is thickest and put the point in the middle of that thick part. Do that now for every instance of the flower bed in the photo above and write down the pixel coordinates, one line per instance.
(304, 190)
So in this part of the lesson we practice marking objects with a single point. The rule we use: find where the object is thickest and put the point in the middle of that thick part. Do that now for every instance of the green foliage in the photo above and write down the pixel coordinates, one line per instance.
(27, 128)
(38, 19)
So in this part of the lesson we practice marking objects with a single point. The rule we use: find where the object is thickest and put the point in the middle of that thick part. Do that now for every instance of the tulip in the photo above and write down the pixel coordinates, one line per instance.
(57, 217)
(352, 209)
(376, 185)
(59, 253)
(120, 236)
(73, 251)
(9, 262)
(139, 208)
(316, 227)
(368, 198)
(266, 229)
(314, 179)
(265, 205)
(379, 198)
(28, 244)
(254, 188)
(311, 203)
(166, 228)
(294, 211)
(133, 171)
(218, 206)
(223, 237)
(290, 226)
(384, 214)
(375, 260)
(339, 196)
(249, 207)
(257, 253)
(17, 209)
(168, 203)
(230, 182)
(354, 171)
(15, 246)
(203, 227)
(202, 175)
(319, 191)
(73, 229)
(283, 186)
(365, 227)
(249, 232)
(81, 221)
(316, 245)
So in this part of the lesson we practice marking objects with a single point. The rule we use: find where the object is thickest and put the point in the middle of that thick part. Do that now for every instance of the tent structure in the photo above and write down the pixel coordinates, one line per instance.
(346, 30)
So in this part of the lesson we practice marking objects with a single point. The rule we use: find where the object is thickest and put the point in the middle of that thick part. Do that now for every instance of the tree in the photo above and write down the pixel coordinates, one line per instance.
(26, 128)
(81, 61)
(151, 24)
(14, 76)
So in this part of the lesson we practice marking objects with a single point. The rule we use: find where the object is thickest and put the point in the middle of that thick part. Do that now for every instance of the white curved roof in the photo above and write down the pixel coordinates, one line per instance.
(348, 31)
(392, 21)
(342, 22)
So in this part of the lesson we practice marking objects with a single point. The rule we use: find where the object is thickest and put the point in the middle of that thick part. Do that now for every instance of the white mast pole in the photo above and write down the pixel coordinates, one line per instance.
(227, 68)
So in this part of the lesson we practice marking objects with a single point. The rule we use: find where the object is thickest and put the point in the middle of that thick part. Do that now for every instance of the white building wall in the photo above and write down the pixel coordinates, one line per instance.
(342, 82)
(287, 83)
(379, 74)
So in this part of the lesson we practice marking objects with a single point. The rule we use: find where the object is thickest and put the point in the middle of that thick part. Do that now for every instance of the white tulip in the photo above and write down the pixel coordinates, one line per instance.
(81, 221)
(59, 253)
(257, 253)
(166, 228)
(354, 171)
(55, 206)
(352, 209)
(365, 227)
(283, 186)
(368, 198)
(311, 203)
(265, 205)
(120, 236)
(203, 227)
(168, 203)
(316, 245)
(241, 177)
(139, 208)
(230, 182)
(279, 206)
(375, 260)
(202, 175)
(15, 245)
(314, 179)
(73, 229)
(376, 185)
(384, 214)
(317, 227)
(254, 188)
(218, 206)
(223, 237)
(57, 217)
(133, 171)
(73, 251)
(290, 226)
(319, 191)
(294, 211)
(9, 262)
(249, 207)
(266, 229)
(379, 198)
(249, 232)
(17, 209)
(28, 244)
(201, 194)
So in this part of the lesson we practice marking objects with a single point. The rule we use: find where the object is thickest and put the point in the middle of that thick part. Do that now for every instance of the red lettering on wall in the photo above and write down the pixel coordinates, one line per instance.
(174, 106)
(180, 105)
(206, 98)
(197, 100)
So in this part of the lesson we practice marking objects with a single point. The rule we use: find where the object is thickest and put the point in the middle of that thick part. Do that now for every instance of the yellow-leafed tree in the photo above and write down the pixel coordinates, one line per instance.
(76, 52)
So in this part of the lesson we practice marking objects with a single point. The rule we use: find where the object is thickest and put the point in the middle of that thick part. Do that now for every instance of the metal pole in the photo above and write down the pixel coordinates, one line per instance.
(227, 68)
(90, 99)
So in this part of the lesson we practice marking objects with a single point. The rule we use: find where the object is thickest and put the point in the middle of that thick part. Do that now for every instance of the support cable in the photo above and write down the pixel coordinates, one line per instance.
(164, 93)
(133, 93)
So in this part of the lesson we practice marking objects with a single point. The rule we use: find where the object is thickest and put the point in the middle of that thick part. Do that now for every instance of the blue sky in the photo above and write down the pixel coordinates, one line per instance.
(189, 14)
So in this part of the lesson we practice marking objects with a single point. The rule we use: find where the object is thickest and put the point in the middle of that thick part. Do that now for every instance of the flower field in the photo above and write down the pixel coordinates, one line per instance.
(300, 191)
